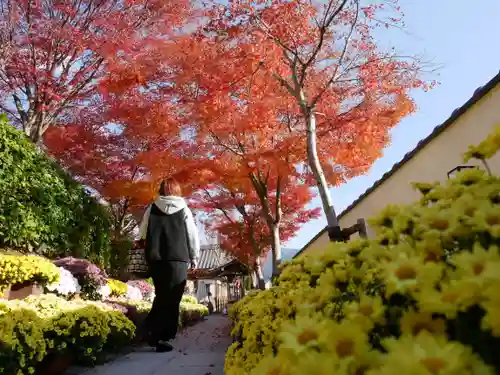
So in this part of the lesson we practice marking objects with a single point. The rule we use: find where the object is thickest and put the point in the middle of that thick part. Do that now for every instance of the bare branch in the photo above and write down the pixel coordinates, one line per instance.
(341, 58)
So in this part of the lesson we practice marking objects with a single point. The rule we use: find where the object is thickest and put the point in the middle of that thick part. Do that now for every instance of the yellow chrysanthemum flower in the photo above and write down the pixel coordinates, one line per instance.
(429, 354)
(413, 322)
(367, 312)
(407, 274)
(431, 274)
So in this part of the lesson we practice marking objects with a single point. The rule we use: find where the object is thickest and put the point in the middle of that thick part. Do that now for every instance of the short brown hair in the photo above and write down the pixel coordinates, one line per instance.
(170, 187)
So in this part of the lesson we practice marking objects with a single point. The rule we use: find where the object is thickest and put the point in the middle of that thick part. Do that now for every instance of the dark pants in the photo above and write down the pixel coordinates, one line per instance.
(169, 279)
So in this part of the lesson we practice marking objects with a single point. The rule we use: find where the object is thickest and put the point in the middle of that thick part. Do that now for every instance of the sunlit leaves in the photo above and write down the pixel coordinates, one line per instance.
(57, 56)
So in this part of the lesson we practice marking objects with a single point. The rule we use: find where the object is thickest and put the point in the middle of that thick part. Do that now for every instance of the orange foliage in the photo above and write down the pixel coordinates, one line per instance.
(259, 67)
(235, 212)
(227, 109)
(58, 55)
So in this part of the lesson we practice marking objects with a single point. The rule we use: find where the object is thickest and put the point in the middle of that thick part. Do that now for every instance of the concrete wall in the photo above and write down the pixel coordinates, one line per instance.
(429, 164)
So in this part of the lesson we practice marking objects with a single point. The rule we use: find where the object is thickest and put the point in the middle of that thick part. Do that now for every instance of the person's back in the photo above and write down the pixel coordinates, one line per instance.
(171, 245)
(167, 238)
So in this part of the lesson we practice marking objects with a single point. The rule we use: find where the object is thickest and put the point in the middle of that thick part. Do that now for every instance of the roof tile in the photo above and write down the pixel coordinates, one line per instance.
(213, 256)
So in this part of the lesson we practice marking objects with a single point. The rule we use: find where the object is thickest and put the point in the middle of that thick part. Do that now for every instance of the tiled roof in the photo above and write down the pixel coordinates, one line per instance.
(212, 256)
(478, 95)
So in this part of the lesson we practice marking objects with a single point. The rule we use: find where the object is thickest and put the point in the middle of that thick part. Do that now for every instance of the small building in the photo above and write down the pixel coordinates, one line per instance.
(218, 278)
(431, 160)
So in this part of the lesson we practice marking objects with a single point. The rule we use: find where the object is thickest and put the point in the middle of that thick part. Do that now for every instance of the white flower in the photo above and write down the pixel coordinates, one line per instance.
(67, 284)
(104, 291)
(133, 293)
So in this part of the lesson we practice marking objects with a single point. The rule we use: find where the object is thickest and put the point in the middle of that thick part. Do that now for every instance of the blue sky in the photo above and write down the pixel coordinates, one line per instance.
(461, 37)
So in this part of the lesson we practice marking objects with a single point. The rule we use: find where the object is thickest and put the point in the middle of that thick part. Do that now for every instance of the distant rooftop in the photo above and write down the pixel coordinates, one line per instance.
(213, 256)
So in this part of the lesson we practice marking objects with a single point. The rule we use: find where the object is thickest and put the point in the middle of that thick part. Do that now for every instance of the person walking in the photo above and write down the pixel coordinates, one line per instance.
(171, 246)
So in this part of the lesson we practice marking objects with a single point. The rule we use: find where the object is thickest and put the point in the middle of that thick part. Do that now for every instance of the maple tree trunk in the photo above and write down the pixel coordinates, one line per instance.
(276, 249)
(258, 263)
(33, 126)
(274, 225)
(261, 284)
(317, 170)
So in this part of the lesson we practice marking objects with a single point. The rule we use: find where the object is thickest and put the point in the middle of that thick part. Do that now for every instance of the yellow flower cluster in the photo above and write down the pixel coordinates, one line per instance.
(420, 298)
(191, 312)
(189, 299)
(22, 337)
(486, 149)
(118, 288)
(141, 306)
(33, 328)
(15, 269)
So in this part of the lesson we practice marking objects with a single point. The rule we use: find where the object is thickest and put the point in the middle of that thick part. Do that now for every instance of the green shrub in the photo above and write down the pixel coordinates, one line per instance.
(41, 204)
(22, 343)
(419, 298)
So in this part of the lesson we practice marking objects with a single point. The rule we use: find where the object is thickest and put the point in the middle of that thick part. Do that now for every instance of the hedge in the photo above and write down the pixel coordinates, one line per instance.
(41, 204)
(419, 298)
(79, 323)
(37, 327)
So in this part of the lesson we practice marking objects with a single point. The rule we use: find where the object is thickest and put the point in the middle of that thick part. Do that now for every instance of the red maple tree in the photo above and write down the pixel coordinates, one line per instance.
(235, 213)
(315, 63)
(204, 141)
(237, 224)
(129, 138)
(107, 164)
(102, 150)
(265, 95)
(253, 178)
(57, 56)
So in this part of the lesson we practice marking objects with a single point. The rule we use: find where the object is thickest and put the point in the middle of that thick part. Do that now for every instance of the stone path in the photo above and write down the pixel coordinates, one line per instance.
(199, 350)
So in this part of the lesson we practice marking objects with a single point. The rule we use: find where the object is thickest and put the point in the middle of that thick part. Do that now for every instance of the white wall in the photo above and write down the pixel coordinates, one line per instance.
(430, 164)
(201, 293)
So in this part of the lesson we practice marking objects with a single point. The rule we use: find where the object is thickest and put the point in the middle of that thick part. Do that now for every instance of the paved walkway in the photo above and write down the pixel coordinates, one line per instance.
(199, 350)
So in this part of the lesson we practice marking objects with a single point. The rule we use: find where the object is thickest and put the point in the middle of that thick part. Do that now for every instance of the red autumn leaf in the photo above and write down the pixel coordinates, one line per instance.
(56, 56)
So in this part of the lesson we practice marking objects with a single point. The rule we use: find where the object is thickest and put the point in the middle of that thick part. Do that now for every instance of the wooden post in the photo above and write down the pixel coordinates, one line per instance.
(362, 230)
(346, 233)
(242, 286)
(217, 296)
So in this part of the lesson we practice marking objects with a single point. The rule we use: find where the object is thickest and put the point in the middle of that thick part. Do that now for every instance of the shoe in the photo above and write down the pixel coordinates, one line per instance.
(163, 347)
